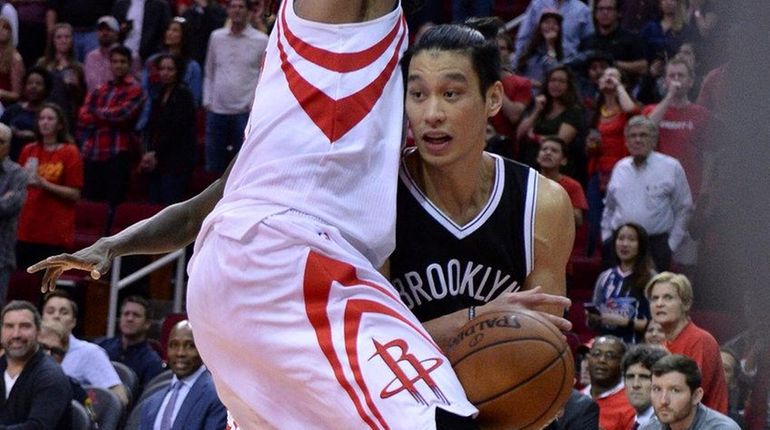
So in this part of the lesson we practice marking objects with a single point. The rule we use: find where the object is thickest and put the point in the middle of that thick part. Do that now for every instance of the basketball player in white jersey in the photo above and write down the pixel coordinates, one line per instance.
(297, 327)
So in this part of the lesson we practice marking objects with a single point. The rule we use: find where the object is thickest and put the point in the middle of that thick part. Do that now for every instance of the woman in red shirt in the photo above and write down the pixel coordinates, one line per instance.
(47, 220)
(606, 145)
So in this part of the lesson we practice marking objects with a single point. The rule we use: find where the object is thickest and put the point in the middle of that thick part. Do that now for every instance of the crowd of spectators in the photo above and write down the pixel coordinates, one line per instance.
(112, 100)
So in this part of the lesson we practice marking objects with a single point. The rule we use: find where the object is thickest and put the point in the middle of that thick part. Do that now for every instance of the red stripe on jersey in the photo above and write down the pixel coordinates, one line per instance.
(338, 62)
(337, 117)
(320, 272)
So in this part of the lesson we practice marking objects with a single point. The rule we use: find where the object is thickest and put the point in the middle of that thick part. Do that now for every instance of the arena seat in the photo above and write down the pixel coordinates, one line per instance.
(128, 213)
(90, 222)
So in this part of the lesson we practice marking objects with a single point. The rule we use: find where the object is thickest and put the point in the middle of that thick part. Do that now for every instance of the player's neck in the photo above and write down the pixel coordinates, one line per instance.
(460, 190)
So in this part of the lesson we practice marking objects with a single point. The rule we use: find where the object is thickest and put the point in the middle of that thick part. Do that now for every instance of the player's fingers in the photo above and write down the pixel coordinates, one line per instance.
(537, 299)
(49, 279)
(67, 260)
(560, 323)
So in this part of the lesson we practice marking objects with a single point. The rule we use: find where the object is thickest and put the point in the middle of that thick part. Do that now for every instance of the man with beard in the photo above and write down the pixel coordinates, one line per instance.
(191, 401)
(615, 412)
(35, 392)
(676, 396)
(97, 63)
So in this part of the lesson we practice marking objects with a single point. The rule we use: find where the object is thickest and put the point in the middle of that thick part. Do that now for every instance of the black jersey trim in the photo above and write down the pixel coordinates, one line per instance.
(460, 232)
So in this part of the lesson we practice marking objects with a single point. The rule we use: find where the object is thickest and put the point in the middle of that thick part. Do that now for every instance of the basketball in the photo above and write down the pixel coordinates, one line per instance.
(515, 368)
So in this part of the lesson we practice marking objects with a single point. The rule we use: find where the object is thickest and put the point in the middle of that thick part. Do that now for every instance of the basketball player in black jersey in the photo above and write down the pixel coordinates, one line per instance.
(472, 227)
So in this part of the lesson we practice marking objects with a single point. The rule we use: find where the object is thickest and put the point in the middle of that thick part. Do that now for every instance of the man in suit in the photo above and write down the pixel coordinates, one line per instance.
(34, 392)
(142, 24)
(580, 412)
(191, 401)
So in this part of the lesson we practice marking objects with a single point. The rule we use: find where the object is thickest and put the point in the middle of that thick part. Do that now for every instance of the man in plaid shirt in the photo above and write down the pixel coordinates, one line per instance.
(106, 124)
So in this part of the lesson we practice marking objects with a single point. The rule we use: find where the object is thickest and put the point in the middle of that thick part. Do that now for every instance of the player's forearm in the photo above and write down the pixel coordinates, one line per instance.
(444, 328)
(174, 227)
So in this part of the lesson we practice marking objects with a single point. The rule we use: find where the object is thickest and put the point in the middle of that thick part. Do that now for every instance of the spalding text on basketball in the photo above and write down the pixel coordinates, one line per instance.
(475, 332)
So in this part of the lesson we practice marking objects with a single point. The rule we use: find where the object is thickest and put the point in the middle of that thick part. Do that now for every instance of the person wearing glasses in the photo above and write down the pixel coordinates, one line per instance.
(54, 340)
(607, 388)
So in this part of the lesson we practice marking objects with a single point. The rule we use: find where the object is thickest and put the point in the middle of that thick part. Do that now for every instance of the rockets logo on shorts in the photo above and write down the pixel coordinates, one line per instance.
(394, 367)
(414, 364)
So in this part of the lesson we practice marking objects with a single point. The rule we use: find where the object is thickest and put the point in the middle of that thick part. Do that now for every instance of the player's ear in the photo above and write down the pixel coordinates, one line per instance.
(494, 99)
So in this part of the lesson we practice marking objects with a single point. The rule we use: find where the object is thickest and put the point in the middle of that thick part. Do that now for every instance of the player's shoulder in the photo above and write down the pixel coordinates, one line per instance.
(550, 194)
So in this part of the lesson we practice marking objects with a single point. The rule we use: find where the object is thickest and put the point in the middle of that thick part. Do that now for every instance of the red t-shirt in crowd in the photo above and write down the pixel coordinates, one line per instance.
(615, 411)
(518, 90)
(701, 346)
(46, 218)
(575, 192)
(682, 136)
(613, 144)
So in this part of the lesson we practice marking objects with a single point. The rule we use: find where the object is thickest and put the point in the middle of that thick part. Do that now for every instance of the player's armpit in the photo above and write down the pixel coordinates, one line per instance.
(554, 237)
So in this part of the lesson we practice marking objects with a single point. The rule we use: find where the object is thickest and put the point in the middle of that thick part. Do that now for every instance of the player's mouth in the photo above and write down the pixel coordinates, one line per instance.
(436, 141)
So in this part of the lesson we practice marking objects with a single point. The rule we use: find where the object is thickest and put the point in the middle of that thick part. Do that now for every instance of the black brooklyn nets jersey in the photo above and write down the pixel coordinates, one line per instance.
(439, 267)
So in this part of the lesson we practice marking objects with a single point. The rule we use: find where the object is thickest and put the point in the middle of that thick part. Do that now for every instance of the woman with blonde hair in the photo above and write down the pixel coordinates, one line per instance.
(69, 84)
(11, 65)
(671, 297)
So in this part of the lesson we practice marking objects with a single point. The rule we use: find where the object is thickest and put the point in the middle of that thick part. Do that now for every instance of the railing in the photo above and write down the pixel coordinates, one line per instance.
(117, 284)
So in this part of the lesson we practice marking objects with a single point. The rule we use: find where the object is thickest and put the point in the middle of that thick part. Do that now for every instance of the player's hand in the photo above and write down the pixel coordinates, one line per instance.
(95, 259)
(531, 299)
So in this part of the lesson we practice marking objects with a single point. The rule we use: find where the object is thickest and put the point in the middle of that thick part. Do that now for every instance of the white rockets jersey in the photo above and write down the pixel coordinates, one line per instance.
(324, 132)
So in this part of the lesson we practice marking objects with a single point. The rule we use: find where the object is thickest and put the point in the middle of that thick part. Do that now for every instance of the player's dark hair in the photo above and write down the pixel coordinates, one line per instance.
(488, 26)
(646, 355)
(483, 53)
(682, 364)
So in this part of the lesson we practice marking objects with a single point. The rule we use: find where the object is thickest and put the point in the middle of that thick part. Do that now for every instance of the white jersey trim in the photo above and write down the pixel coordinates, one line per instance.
(530, 209)
(452, 227)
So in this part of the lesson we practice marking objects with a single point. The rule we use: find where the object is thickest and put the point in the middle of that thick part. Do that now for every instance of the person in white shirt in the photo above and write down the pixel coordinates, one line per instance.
(650, 189)
(85, 362)
(233, 65)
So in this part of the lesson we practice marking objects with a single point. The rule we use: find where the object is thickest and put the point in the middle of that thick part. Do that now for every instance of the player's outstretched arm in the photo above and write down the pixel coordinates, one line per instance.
(554, 238)
(172, 228)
